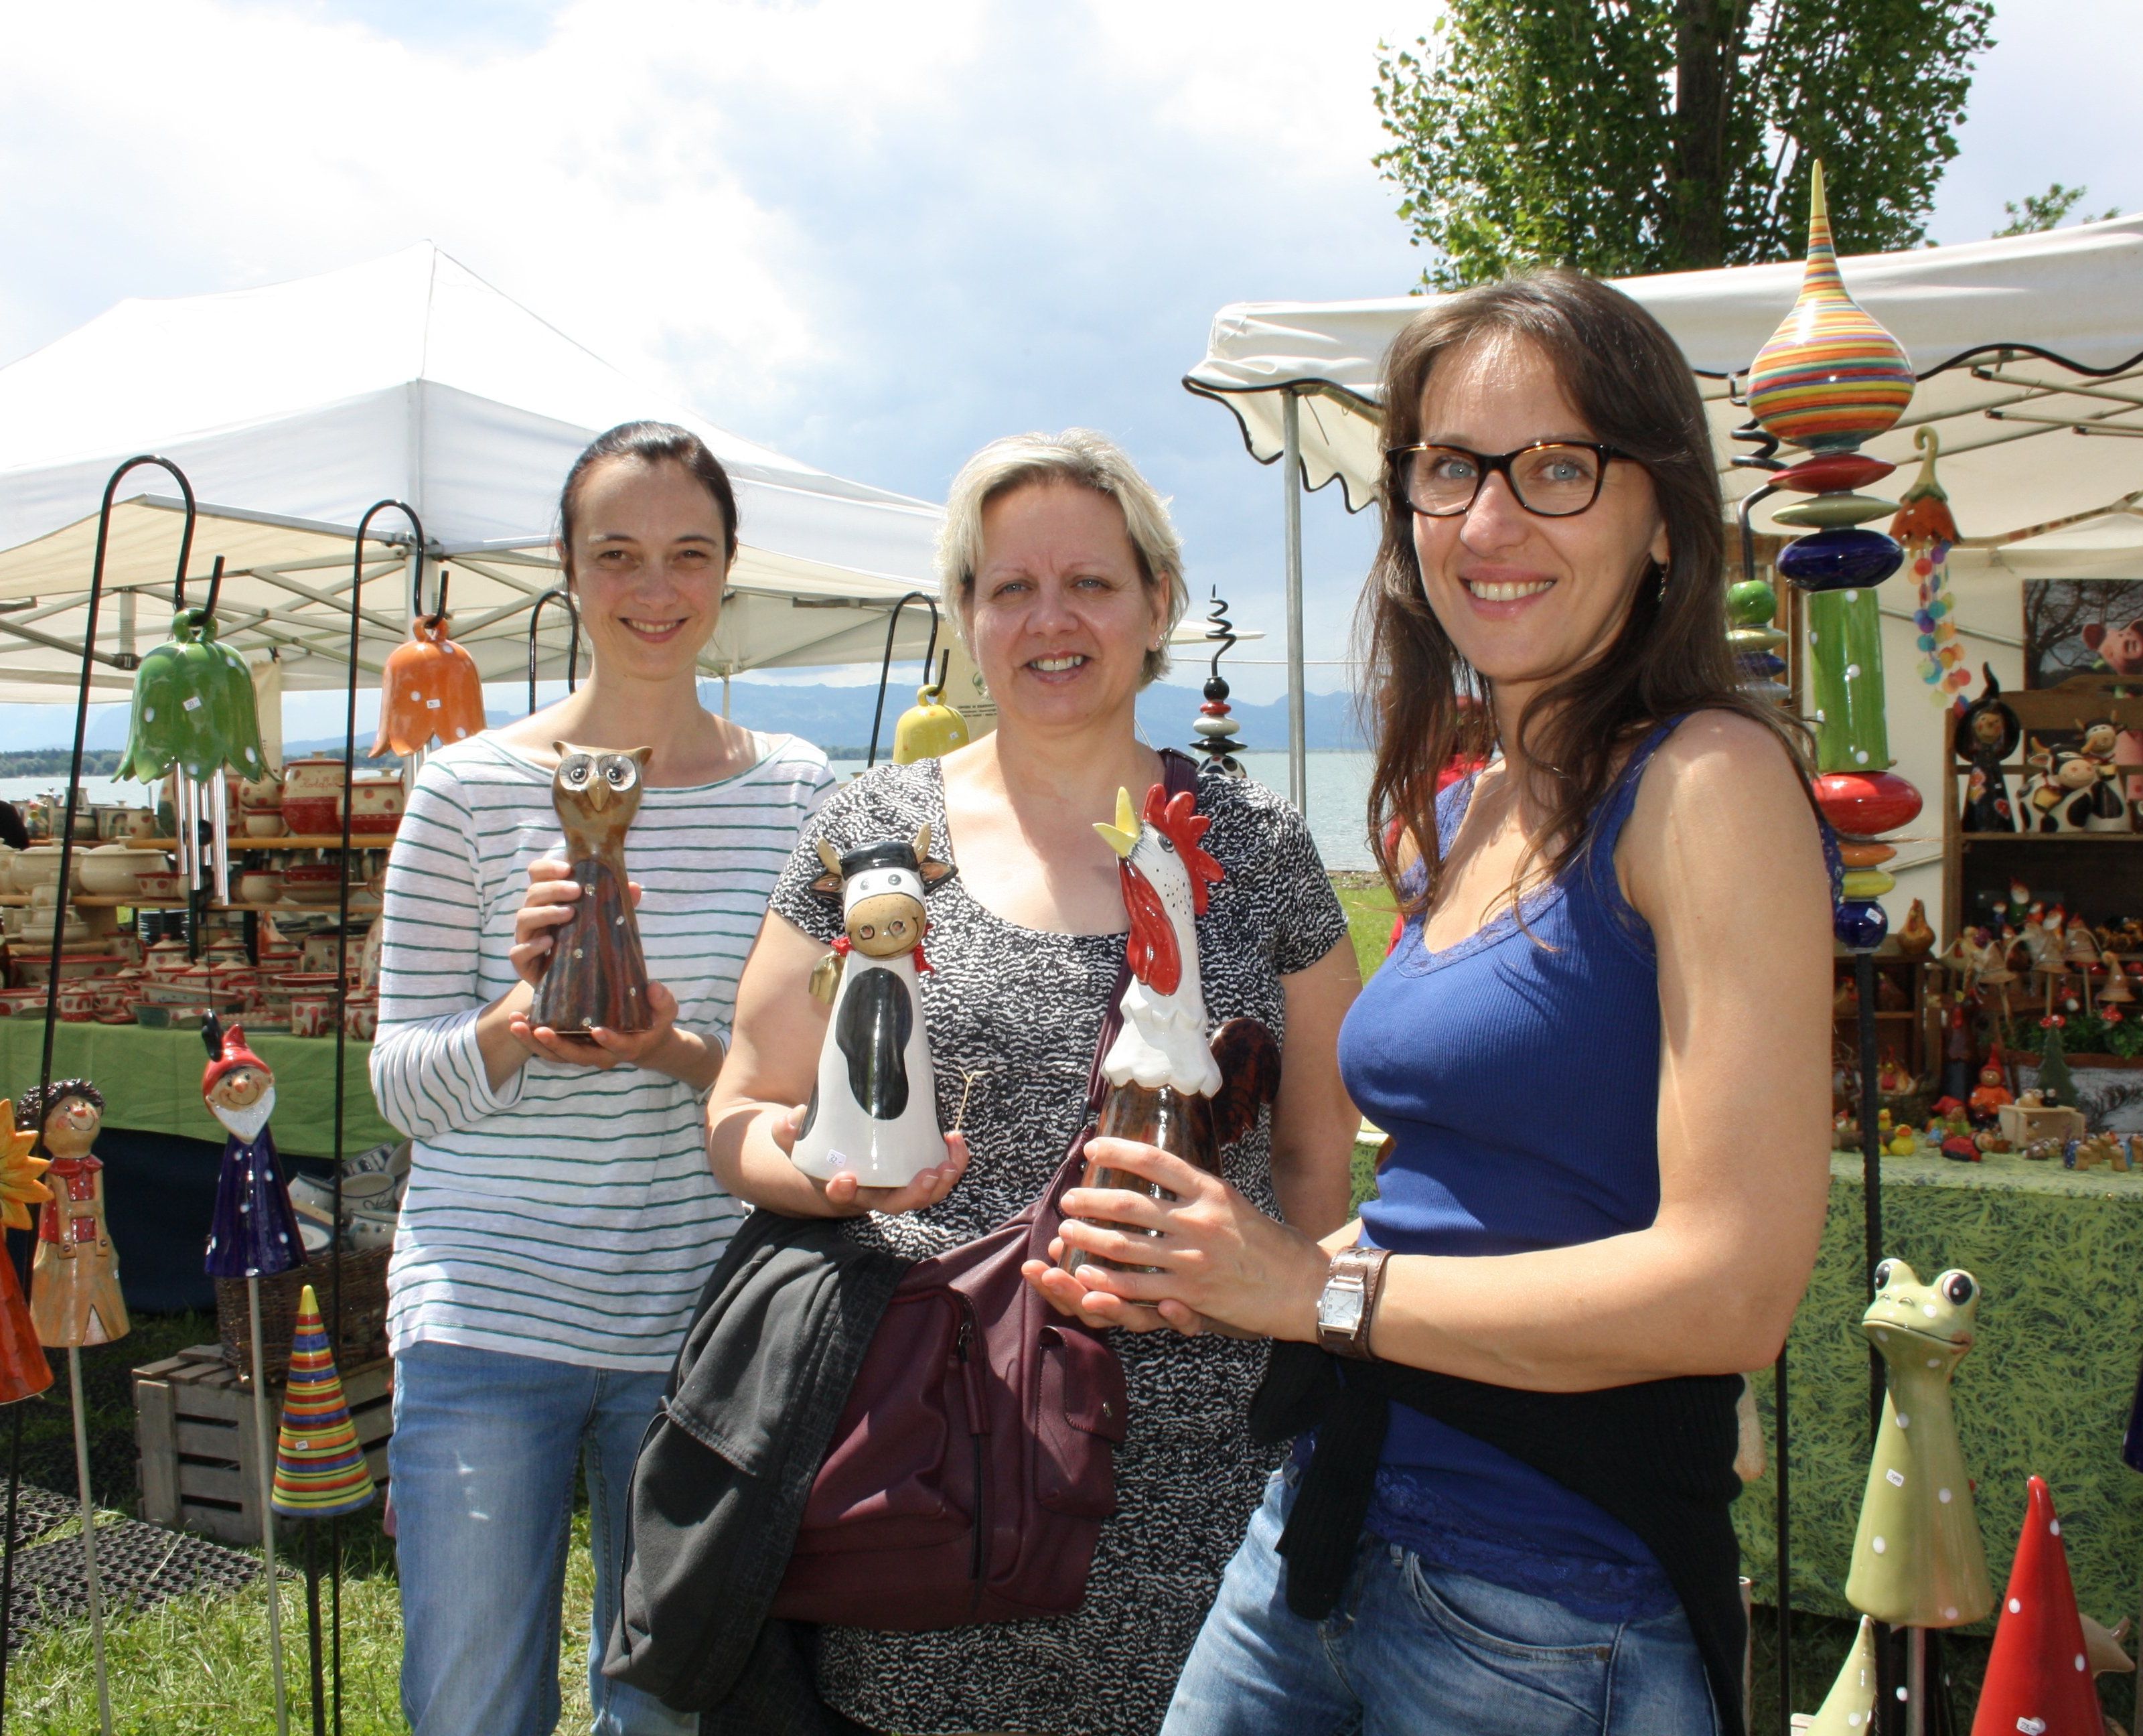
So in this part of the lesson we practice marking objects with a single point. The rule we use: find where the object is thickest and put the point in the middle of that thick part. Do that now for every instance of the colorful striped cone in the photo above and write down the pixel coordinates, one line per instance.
(320, 1467)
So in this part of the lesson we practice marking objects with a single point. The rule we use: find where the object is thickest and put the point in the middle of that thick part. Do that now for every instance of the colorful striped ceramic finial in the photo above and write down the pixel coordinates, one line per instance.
(320, 1471)
(1831, 376)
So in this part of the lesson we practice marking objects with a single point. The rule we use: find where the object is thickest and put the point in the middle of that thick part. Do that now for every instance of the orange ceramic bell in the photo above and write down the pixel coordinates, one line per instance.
(24, 1372)
(430, 687)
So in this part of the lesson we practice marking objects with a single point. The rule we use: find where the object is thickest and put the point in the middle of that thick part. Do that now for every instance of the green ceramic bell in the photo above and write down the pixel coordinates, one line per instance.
(193, 708)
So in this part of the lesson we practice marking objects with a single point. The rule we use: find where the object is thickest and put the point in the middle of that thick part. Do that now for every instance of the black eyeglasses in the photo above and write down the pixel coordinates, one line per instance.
(1550, 478)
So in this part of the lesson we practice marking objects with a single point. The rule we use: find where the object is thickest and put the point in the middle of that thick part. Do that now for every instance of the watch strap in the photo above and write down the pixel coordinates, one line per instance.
(1361, 1268)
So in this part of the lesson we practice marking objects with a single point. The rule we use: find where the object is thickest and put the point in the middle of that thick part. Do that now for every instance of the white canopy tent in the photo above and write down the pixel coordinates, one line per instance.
(292, 408)
(2030, 352)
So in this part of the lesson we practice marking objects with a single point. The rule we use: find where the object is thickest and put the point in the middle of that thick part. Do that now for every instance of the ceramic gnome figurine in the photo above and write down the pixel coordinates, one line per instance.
(24, 1371)
(1169, 1086)
(1916, 1559)
(1848, 1709)
(2038, 1676)
(75, 1297)
(255, 1231)
(320, 1471)
(873, 1110)
(596, 974)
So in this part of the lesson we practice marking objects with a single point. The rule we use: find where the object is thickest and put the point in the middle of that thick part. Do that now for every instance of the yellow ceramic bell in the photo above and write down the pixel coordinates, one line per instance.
(929, 729)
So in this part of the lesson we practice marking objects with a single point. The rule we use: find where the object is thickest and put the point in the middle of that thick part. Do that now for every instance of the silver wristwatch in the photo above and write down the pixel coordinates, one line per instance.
(1348, 1303)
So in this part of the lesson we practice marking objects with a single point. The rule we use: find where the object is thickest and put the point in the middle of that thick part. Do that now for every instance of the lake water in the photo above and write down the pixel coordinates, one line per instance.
(1338, 786)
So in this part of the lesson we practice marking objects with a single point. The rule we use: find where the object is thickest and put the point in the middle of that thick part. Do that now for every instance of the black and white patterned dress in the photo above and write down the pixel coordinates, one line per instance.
(1018, 1010)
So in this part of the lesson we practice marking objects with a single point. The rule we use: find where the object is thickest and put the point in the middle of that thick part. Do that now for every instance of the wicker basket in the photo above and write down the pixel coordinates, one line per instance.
(363, 1337)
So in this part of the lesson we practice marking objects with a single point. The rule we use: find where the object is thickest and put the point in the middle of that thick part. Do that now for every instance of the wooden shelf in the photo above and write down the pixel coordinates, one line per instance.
(105, 901)
(332, 841)
(1967, 839)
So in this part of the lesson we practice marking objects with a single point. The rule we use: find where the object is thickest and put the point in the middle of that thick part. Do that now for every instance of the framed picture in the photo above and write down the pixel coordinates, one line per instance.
(2082, 627)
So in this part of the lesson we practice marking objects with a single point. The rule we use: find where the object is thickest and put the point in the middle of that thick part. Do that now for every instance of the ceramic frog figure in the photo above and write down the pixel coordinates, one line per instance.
(1916, 1559)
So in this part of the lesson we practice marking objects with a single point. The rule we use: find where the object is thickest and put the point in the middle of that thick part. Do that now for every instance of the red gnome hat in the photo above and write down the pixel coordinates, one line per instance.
(2038, 1676)
(226, 1052)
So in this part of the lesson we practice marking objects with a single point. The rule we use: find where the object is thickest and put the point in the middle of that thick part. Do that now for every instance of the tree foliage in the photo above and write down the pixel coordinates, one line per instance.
(2042, 211)
(1625, 137)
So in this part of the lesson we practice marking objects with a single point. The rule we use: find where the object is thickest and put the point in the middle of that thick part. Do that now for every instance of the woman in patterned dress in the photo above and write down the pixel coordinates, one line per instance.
(1066, 578)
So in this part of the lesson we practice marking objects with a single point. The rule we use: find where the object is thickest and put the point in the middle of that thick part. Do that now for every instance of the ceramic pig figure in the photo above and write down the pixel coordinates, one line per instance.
(874, 1111)
(1916, 1559)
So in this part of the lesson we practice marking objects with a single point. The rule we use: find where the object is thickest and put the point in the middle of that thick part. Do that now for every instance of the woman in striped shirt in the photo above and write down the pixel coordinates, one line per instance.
(561, 1219)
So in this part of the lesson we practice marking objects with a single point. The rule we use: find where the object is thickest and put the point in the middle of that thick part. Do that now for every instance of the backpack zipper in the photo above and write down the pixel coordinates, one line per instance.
(963, 1348)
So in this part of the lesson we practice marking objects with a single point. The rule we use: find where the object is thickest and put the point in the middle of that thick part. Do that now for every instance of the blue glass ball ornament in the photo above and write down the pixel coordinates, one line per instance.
(1840, 559)
(1860, 924)
(1763, 665)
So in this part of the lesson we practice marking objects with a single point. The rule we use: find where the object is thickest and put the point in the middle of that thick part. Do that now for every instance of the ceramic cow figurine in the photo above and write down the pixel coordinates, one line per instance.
(1918, 1560)
(875, 1109)
(1169, 1085)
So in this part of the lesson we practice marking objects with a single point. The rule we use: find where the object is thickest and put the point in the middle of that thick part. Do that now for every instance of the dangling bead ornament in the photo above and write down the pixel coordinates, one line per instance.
(1829, 378)
(1924, 526)
(193, 716)
(1216, 729)
(1751, 605)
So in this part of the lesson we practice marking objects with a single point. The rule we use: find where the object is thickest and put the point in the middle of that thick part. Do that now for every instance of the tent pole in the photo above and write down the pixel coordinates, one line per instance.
(1298, 770)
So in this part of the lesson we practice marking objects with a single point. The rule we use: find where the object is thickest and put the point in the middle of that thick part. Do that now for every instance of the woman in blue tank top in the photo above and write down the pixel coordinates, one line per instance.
(1600, 1048)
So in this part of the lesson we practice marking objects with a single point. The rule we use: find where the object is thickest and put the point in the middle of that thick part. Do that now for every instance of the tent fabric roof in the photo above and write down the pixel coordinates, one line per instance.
(2018, 342)
(292, 408)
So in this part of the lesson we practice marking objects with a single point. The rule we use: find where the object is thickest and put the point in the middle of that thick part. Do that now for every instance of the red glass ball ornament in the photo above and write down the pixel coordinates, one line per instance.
(1863, 803)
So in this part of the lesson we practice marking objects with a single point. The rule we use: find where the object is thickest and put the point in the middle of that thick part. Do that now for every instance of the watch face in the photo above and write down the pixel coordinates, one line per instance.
(1339, 1307)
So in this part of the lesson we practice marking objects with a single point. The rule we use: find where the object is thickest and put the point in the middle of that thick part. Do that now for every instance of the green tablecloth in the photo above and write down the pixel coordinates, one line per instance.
(152, 1080)
(2059, 1256)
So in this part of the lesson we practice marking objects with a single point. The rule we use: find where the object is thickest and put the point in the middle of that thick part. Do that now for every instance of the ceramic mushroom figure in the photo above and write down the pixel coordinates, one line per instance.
(1916, 1559)
(255, 1231)
(75, 1297)
(874, 1111)
(596, 974)
(1168, 1085)
(2038, 1675)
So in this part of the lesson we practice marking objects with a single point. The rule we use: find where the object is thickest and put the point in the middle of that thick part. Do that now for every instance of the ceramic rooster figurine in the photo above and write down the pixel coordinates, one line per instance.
(1916, 1559)
(873, 1110)
(1169, 1085)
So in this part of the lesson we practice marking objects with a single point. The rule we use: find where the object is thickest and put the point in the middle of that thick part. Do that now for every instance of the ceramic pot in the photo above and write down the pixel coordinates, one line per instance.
(375, 806)
(361, 1020)
(141, 824)
(313, 882)
(114, 870)
(311, 1016)
(39, 866)
(265, 823)
(78, 1002)
(162, 884)
(312, 797)
(260, 886)
(369, 1231)
(261, 792)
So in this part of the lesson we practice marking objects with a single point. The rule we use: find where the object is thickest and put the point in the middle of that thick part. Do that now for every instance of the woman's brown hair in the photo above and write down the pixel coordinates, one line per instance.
(1628, 379)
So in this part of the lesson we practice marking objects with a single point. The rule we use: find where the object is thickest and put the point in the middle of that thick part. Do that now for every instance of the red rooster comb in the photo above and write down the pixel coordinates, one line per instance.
(1177, 819)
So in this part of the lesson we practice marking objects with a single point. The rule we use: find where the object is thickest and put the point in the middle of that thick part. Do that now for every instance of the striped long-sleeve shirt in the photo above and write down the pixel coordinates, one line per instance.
(569, 1214)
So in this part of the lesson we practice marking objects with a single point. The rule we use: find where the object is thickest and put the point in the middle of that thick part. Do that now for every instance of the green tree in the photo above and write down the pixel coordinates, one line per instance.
(2056, 1081)
(2042, 212)
(1624, 137)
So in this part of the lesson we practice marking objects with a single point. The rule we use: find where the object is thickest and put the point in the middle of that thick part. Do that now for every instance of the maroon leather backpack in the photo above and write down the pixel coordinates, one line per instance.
(975, 1462)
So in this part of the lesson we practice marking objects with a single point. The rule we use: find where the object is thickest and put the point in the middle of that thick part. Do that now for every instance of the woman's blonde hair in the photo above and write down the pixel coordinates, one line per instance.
(1084, 459)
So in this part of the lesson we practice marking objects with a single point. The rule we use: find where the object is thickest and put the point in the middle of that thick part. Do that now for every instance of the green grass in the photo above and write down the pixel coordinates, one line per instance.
(198, 1665)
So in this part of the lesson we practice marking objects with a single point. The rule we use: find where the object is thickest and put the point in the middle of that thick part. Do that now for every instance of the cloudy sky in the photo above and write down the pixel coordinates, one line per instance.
(873, 235)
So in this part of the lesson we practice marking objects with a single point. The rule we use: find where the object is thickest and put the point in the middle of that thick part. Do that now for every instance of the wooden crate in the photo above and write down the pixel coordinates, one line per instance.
(193, 1424)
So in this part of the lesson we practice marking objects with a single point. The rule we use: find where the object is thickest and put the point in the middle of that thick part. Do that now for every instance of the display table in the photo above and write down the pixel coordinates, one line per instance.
(2059, 1257)
(151, 1081)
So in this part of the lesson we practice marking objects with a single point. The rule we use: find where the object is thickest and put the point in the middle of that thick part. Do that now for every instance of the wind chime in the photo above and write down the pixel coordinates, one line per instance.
(194, 716)
(430, 690)
(1926, 528)
(1830, 379)
(1216, 729)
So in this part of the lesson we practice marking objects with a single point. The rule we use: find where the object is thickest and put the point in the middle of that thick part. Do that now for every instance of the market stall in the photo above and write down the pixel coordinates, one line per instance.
(2029, 354)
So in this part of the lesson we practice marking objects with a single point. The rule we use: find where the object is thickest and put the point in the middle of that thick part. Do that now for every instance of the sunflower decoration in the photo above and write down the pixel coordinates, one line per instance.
(19, 1187)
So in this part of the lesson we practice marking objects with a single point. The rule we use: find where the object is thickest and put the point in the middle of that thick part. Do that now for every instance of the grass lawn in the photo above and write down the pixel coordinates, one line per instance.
(198, 1665)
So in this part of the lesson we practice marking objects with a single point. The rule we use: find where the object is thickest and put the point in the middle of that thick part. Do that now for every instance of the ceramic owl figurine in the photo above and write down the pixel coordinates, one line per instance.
(597, 974)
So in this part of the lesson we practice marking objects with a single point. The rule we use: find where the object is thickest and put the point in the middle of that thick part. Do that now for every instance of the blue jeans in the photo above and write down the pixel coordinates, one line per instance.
(482, 1464)
(1412, 1650)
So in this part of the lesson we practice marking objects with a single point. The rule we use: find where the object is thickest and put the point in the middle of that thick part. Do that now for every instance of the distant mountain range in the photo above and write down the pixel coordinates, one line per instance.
(838, 720)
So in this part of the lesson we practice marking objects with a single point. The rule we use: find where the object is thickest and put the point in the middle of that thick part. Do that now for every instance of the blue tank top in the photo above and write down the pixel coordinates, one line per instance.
(1518, 1074)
